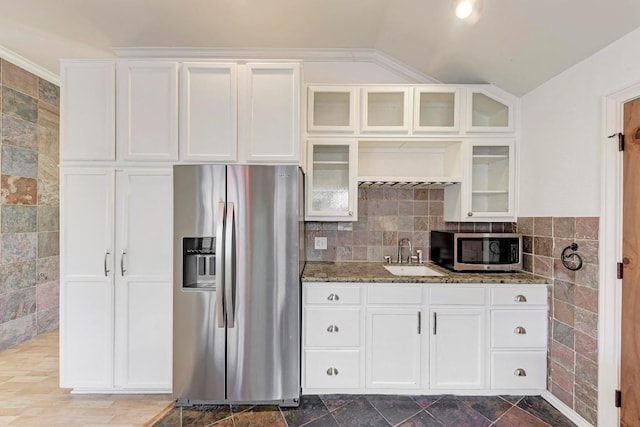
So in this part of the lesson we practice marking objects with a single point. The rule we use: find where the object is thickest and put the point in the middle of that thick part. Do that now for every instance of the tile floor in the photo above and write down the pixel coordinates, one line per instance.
(30, 396)
(30, 393)
(378, 411)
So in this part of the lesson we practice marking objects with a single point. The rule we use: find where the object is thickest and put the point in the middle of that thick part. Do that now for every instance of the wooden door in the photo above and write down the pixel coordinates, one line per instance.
(630, 351)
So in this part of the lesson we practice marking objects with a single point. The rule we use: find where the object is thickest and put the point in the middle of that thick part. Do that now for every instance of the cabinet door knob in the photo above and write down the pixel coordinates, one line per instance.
(520, 330)
(520, 372)
(333, 328)
(520, 298)
(333, 297)
(469, 213)
(350, 213)
(332, 371)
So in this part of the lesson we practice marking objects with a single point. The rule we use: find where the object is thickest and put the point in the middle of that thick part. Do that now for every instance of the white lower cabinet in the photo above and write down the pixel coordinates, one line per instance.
(332, 336)
(116, 287)
(393, 348)
(518, 338)
(332, 369)
(424, 338)
(519, 370)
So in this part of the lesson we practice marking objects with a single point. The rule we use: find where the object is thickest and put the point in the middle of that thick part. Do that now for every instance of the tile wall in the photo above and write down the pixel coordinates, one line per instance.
(29, 205)
(386, 215)
(573, 323)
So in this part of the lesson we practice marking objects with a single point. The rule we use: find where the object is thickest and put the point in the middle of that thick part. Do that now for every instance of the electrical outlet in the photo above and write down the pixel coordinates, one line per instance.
(320, 243)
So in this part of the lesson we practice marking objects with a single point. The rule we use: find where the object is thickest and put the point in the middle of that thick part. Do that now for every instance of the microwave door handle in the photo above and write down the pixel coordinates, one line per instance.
(220, 266)
(229, 267)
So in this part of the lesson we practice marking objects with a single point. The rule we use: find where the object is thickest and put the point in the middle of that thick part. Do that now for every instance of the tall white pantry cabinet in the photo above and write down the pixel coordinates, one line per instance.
(124, 124)
(115, 323)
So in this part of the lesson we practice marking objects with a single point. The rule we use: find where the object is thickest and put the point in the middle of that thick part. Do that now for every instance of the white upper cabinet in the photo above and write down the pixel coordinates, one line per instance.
(436, 109)
(147, 110)
(385, 109)
(487, 192)
(410, 110)
(269, 113)
(208, 112)
(332, 180)
(331, 109)
(489, 112)
(87, 110)
(240, 113)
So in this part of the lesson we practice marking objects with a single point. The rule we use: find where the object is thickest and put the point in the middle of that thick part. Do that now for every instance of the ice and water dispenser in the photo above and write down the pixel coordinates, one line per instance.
(199, 262)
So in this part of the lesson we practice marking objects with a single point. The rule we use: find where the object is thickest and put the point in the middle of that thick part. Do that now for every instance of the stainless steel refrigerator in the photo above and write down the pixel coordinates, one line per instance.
(238, 257)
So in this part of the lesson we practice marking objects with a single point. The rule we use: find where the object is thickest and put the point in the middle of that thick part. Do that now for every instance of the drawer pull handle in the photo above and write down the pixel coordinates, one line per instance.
(520, 330)
(333, 297)
(333, 328)
(332, 371)
(520, 372)
(521, 298)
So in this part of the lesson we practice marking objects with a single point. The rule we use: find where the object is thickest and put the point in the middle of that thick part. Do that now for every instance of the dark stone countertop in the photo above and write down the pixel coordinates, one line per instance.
(375, 272)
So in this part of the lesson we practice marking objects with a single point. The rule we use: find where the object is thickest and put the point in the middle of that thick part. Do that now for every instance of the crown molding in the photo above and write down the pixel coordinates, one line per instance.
(22, 62)
(392, 64)
(296, 54)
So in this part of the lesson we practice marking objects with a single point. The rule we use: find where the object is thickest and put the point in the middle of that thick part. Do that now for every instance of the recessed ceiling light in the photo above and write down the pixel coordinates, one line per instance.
(466, 9)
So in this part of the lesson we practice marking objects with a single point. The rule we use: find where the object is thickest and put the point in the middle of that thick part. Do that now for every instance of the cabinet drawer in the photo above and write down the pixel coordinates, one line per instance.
(456, 296)
(520, 296)
(332, 369)
(505, 366)
(331, 294)
(521, 328)
(331, 327)
(394, 294)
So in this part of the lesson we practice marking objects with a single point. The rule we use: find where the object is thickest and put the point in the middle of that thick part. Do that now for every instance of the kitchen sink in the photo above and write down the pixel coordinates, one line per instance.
(412, 270)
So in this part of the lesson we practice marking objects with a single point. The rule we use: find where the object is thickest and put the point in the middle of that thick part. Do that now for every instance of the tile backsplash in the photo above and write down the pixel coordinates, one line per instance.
(386, 215)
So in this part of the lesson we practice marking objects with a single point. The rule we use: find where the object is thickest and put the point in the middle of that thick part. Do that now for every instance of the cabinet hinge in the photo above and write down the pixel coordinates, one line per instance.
(620, 136)
(620, 268)
(618, 399)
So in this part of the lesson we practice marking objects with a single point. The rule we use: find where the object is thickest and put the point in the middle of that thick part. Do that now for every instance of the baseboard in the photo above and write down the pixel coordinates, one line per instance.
(565, 410)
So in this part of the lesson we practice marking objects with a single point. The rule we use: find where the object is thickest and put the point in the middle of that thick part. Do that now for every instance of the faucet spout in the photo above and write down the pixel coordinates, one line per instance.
(404, 243)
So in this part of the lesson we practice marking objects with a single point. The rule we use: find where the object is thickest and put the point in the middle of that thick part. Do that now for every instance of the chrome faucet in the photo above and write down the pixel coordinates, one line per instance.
(401, 244)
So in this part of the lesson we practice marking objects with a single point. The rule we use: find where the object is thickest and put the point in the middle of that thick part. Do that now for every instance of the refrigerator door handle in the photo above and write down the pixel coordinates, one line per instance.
(229, 265)
(220, 265)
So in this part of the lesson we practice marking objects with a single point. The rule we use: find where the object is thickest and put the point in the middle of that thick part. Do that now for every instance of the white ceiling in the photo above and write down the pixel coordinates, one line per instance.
(516, 44)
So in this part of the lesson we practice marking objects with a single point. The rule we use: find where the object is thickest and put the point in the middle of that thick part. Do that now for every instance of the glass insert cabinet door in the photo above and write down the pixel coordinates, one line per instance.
(331, 180)
(436, 109)
(491, 179)
(385, 109)
(331, 109)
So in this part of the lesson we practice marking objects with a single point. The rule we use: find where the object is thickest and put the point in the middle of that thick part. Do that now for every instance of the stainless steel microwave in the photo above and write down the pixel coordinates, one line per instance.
(477, 251)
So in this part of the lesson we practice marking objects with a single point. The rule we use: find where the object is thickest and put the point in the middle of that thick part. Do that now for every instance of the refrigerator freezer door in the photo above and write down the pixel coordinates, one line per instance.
(263, 348)
(198, 340)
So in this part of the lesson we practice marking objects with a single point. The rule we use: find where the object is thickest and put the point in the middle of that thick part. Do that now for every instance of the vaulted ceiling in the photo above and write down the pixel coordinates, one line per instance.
(516, 44)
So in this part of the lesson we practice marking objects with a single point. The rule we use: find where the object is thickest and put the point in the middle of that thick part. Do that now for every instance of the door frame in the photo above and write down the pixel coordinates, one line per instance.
(610, 252)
